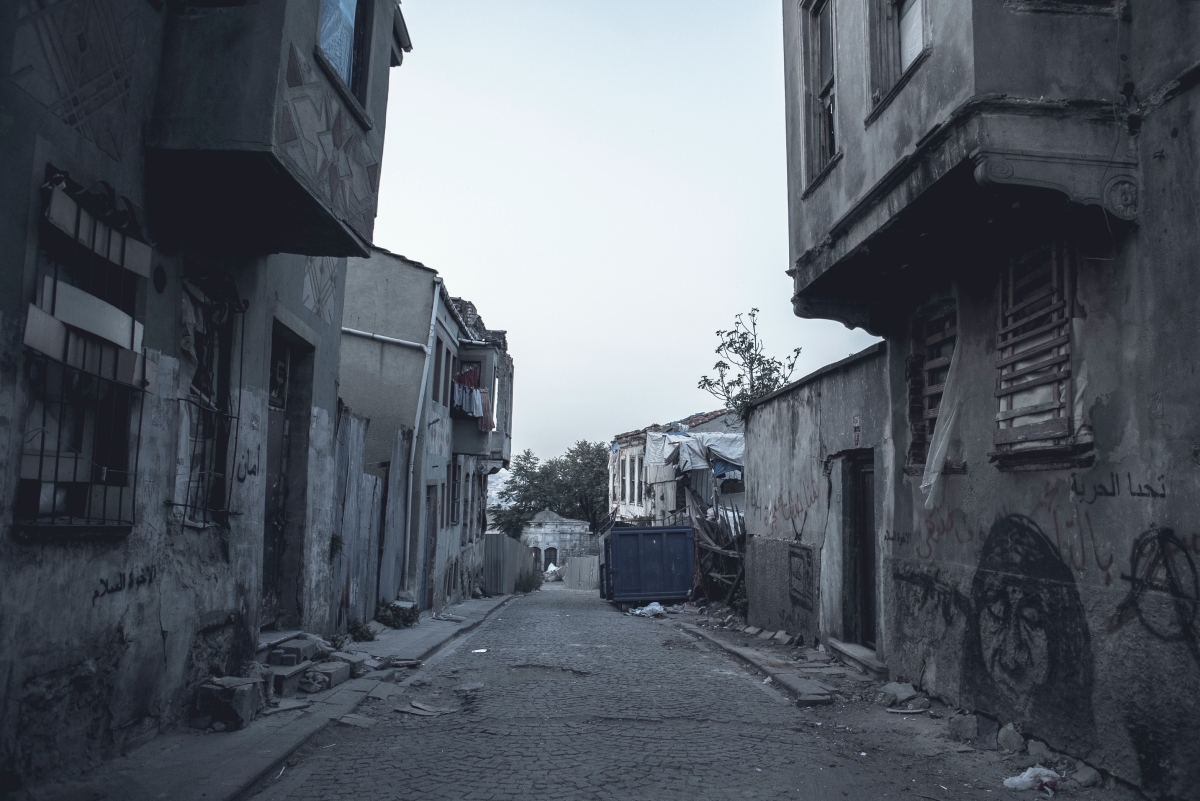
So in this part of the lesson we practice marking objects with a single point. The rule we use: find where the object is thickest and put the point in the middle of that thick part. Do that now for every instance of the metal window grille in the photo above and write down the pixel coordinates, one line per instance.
(212, 407)
(85, 369)
(1033, 350)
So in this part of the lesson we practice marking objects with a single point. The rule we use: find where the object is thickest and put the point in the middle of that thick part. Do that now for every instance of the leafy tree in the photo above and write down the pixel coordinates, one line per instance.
(744, 374)
(574, 485)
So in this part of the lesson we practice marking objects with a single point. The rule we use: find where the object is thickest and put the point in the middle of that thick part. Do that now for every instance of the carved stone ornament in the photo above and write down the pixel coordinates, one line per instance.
(1088, 180)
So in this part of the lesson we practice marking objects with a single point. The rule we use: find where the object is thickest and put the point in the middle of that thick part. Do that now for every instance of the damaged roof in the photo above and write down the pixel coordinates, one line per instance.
(697, 419)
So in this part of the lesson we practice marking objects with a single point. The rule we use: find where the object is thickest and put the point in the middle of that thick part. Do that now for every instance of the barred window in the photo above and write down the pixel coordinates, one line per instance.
(85, 366)
(209, 413)
(934, 335)
(1033, 351)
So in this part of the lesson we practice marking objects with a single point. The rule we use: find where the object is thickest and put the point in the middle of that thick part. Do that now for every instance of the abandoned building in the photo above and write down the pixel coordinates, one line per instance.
(415, 359)
(657, 473)
(553, 539)
(182, 185)
(996, 504)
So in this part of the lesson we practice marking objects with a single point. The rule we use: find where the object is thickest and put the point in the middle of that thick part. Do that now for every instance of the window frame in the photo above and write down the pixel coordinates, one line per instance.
(820, 91)
(354, 90)
(888, 72)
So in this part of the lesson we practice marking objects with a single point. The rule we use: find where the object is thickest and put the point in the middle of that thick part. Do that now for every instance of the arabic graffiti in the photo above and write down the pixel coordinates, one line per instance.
(1113, 489)
(943, 596)
(244, 467)
(1164, 590)
(1027, 654)
(140, 577)
(898, 537)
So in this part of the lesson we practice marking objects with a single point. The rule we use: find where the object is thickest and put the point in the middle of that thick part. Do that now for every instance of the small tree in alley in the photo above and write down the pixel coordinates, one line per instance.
(744, 373)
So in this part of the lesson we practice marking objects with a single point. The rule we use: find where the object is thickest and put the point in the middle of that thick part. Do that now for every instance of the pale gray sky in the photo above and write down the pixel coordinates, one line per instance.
(606, 181)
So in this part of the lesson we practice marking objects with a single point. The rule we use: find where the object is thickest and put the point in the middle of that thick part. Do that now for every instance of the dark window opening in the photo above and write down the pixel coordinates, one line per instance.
(456, 493)
(821, 92)
(437, 371)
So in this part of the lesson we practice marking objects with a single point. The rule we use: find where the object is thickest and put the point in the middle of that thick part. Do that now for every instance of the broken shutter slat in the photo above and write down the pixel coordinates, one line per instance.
(89, 313)
(1049, 429)
(1037, 382)
(45, 334)
(65, 214)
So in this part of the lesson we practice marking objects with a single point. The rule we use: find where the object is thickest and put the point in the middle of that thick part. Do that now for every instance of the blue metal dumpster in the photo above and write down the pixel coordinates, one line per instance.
(648, 564)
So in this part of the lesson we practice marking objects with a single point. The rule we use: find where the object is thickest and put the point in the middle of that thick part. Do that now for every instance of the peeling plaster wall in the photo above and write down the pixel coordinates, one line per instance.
(796, 443)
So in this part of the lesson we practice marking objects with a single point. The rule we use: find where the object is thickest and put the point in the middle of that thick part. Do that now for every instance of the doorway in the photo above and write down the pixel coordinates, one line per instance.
(551, 558)
(860, 619)
(289, 402)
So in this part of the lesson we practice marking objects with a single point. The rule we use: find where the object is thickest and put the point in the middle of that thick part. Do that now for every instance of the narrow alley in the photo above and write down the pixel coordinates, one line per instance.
(559, 695)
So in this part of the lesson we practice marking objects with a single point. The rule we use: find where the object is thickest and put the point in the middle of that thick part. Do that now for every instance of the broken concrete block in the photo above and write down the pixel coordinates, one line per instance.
(1010, 739)
(765, 635)
(1087, 776)
(337, 672)
(304, 649)
(887, 699)
(781, 636)
(751, 630)
(286, 678)
(230, 700)
(385, 674)
(357, 662)
(920, 702)
(963, 727)
(282, 657)
(902, 690)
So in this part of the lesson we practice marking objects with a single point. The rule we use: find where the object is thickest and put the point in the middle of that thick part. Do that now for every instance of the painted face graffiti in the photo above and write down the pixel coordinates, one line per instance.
(1028, 652)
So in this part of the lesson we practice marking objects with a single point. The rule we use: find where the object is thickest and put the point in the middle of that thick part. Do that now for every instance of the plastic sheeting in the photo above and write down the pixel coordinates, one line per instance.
(944, 431)
(695, 451)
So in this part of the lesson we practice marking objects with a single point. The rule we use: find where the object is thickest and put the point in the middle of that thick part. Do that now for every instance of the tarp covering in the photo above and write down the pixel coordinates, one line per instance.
(695, 451)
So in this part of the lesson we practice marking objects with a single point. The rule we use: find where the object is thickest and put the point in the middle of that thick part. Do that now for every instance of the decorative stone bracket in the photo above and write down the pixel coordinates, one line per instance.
(1089, 180)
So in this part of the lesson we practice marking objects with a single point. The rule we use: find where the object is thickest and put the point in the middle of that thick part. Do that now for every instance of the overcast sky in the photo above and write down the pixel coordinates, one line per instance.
(606, 181)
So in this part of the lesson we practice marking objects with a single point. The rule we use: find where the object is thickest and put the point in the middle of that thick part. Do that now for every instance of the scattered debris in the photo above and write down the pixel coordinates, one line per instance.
(480, 651)
(963, 727)
(1010, 739)
(1086, 776)
(653, 609)
(287, 705)
(903, 691)
(449, 617)
(1035, 778)
(230, 701)
(424, 710)
(358, 721)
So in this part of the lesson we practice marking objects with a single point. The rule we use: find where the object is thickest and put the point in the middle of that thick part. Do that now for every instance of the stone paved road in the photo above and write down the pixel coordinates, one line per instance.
(579, 701)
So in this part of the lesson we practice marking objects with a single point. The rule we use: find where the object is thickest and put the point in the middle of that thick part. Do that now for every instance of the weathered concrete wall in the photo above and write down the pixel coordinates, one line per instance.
(102, 641)
(1065, 599)
(797, 440)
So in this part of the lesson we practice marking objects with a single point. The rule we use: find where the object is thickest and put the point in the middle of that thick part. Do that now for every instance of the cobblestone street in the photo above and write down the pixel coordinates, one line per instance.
(572, 699)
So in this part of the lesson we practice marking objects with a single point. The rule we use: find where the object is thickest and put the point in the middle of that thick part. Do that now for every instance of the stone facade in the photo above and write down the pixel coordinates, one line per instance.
(554, 539)
(1011, 205)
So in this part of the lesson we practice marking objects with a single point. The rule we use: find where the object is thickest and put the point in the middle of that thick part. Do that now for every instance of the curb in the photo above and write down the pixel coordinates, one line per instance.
(255, 784)
(804, 691)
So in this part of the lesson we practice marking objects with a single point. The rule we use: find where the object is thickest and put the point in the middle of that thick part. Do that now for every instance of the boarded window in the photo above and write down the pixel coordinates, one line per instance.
(1033, 350)
(624, 463)
(934, 336)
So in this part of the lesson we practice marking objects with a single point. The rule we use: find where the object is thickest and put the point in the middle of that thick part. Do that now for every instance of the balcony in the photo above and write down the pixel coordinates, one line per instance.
(260, 142)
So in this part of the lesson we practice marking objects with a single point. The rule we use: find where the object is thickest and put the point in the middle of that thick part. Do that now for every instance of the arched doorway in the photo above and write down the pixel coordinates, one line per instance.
(551, 558)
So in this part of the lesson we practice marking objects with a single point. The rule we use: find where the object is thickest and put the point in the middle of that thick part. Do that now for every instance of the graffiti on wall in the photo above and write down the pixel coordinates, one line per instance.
(1027, 653)
(801, 575)
(935, 593)
(1111, 488)
(124, 582)
(1164, 590)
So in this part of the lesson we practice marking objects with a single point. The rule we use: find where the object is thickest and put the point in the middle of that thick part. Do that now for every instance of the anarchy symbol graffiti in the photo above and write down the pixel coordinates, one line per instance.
(1164, 588)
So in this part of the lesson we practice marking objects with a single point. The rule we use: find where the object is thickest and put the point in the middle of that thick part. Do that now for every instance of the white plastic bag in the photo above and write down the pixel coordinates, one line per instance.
(1035, 778)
